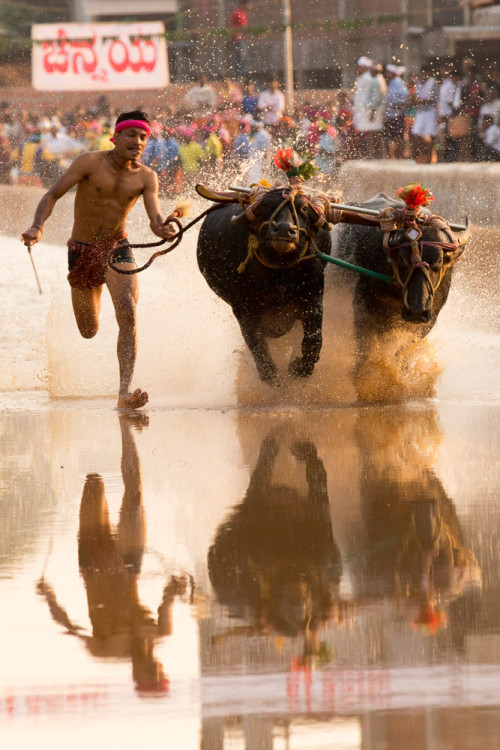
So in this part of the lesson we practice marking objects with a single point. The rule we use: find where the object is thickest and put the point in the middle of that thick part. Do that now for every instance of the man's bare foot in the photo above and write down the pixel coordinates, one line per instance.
(134, 400)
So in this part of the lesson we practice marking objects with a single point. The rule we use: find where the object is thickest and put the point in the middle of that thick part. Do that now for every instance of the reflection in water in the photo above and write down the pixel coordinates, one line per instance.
(415, 550)
(110, 564)
(274, 561)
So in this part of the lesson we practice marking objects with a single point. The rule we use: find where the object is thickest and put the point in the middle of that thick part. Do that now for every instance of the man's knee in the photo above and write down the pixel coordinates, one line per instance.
(88, 329)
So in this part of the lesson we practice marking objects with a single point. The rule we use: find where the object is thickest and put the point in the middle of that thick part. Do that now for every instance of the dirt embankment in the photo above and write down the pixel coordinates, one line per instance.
(459, 189)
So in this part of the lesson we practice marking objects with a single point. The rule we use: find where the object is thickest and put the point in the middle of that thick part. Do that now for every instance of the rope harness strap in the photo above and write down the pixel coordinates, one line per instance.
(413, 234)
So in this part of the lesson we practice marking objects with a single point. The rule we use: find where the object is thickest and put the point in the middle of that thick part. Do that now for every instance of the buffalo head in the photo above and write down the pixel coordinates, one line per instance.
(284, 222)
(419, 271)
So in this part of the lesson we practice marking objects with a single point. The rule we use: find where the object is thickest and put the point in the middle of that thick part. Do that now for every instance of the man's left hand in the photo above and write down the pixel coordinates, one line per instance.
(165, 231)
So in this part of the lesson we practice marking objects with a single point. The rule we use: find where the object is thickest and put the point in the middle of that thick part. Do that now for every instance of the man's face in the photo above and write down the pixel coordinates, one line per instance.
(131, 142)
(273, 86)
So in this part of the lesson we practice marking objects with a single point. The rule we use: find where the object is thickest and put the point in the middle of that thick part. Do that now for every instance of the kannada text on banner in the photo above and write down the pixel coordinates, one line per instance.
(99, 56)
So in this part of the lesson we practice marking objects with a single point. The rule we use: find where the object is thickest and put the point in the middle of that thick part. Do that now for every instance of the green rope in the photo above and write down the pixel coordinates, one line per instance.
(358, 269)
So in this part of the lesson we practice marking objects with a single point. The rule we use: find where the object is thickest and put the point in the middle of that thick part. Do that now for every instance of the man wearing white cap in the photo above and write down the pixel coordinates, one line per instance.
(375, 104)
(361, 91)
(396, 102)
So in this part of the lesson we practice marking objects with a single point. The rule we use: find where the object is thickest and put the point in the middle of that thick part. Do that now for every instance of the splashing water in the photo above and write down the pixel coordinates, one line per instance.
(191, 352)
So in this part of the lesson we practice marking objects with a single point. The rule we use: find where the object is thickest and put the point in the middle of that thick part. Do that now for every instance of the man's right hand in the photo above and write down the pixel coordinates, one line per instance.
(31, 236)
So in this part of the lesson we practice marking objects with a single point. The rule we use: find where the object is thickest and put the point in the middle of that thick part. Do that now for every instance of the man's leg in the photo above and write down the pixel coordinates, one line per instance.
(124, 292)
(86, 307)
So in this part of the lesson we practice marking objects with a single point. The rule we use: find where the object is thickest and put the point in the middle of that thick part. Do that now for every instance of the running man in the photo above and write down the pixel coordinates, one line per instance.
(109, 184)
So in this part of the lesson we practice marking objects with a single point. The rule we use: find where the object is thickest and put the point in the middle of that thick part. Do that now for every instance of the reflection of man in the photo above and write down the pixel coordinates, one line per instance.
(110, 564)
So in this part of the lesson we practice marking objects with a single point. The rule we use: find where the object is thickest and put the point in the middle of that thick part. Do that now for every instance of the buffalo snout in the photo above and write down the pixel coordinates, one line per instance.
(284, 230)
(416, 316)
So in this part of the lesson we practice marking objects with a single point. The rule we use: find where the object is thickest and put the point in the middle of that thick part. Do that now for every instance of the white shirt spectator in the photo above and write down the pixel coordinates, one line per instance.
(272, 105)
(201, 99)
(60, 144)
(446, 95)
(492, 137)
(361, 116)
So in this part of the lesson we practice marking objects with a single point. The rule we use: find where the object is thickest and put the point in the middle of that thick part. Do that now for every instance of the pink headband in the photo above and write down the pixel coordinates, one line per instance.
(124, 124)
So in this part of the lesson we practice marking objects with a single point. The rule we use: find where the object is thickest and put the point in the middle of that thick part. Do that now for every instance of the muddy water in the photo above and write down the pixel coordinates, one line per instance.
(241, 568)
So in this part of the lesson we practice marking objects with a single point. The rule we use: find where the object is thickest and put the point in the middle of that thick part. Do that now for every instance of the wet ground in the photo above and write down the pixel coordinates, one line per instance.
(237, 569)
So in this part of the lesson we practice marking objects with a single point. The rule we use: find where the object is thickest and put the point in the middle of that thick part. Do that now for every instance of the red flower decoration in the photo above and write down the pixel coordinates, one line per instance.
(283, 158)
(430, 620)
(415, 195)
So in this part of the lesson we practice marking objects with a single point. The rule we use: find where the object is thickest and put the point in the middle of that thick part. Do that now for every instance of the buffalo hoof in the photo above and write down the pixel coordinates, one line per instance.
(299, 368)
(271, 378)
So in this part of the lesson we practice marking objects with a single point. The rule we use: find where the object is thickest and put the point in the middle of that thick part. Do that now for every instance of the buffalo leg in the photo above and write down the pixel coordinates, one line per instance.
(256, 342)
(312, 342)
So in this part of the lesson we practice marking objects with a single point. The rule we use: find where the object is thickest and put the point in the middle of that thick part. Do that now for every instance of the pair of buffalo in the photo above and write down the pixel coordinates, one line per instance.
(265, 263)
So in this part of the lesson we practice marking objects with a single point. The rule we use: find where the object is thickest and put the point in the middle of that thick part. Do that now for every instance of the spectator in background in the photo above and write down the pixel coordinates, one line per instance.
(240, 149)
(490, 106)
(449, 81)
(249, 101)
(360, 93)
(271, 104)
(201, 100)
(376, 104)
(424, 129)
(238, 22)
(396, 101)
(490, 139)
(213, 146)
(326, 151)
(191, 153)
(170, 177)
(153, 154)
(5, 155)
(59, 150)
(260, 148)
(467, 102)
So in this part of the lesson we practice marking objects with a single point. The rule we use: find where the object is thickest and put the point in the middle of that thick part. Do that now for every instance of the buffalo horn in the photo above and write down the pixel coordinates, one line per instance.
(240, 189)
(462, 237)
(375, 212)
(239, 219)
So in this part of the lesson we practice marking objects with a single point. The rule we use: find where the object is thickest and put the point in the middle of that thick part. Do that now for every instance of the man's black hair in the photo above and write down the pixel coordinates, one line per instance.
(136, 114)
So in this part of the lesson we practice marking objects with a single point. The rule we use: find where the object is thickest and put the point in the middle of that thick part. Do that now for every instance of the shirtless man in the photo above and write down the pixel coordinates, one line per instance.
(108, 184)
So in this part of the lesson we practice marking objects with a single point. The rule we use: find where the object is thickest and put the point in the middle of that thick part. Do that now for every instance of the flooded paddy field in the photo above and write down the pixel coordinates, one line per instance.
(240, 567)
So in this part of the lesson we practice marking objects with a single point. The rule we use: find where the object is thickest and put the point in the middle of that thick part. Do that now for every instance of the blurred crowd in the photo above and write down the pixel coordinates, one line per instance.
(445, 112)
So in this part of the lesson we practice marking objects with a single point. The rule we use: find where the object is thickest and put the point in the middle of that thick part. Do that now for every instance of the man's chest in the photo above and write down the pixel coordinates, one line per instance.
(121, 188)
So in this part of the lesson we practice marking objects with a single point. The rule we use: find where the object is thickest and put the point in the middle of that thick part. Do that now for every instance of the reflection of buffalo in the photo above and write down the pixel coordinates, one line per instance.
(414, 545)
(275, 559)
(267, 272)
(392, 319)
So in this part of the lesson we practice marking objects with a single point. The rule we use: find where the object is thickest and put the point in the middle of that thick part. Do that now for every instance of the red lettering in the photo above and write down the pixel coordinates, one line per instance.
(84, 56)
(142, 47)
(55, 59)
(118, 64)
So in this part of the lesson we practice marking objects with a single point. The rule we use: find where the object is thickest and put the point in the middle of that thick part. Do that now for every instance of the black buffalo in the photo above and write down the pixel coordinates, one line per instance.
(400, 314)
(281, 281)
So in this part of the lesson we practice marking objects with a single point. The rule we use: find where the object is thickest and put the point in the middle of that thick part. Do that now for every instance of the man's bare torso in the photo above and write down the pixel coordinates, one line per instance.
(105, 196)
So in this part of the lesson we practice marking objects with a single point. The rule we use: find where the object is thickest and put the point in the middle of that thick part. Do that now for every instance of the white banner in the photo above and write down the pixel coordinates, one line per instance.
(99, 56)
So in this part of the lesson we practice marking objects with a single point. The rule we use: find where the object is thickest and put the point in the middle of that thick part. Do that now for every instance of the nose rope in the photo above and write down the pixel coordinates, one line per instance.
(254, 250)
